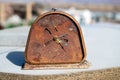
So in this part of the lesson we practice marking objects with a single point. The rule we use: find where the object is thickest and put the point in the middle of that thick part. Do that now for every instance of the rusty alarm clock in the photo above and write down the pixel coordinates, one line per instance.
(55, 38)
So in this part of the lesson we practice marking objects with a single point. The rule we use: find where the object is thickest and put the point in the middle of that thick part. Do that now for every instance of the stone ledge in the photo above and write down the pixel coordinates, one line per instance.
(104, 74)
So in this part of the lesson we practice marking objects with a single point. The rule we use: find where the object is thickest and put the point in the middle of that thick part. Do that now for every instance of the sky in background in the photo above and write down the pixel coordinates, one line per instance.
(111, 2)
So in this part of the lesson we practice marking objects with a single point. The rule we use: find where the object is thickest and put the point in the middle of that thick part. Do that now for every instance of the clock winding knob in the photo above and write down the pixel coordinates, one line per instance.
(54, 9)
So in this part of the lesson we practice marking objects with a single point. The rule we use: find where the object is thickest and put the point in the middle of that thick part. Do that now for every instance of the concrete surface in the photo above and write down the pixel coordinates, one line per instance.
(103, 51)
(14, 36)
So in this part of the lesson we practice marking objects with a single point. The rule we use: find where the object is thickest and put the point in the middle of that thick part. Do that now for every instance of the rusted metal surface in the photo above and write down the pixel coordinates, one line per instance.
(55, 38)
(83, 65)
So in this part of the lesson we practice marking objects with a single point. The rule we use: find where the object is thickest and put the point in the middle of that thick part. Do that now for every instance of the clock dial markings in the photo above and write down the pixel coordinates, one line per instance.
(55, 28)
(46, 43)
(48, 30)
(54, 25)
(56, 55)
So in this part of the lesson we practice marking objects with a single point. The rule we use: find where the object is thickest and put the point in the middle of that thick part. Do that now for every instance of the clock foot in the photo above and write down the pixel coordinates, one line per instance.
(84, 65)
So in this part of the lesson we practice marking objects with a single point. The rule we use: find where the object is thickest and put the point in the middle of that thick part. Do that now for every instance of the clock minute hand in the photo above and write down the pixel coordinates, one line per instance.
(61, 46)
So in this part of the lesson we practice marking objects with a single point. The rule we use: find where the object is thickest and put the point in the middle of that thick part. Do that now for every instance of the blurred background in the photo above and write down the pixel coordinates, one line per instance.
(16, 13)
(99, 21)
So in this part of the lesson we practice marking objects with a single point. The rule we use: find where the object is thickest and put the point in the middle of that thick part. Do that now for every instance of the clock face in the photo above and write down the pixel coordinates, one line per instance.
(54, 38)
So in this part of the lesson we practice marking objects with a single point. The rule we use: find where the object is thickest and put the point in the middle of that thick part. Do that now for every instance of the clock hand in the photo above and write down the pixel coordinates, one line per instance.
(58, 41)
(63, 35)
(61, 46)
(66, 40)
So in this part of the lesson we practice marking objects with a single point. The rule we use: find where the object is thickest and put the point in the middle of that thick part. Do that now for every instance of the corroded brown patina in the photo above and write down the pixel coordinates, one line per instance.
(55, 37)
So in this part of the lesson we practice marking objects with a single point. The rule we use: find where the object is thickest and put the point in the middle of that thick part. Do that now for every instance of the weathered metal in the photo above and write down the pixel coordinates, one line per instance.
(55, 38)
